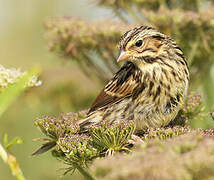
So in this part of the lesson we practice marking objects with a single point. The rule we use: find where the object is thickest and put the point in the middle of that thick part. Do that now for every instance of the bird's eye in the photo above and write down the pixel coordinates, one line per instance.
(139, 43)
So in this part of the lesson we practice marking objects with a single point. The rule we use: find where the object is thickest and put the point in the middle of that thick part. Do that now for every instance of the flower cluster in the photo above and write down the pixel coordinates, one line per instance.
(91, 44)
(188, 156)
(77, 147)
(56, 128)
(112, 138)
(67, 35)
(193, 107)
(165, 133)
(11, 76)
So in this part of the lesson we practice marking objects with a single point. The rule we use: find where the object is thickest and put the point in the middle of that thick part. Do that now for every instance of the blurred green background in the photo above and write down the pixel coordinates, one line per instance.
(22, 44)
(65, 88)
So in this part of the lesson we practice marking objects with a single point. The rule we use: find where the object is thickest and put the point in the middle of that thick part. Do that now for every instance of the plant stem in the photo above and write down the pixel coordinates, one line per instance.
(118, 14)
(208, 87)
(86, 175)
(12, 163)
(193, 50)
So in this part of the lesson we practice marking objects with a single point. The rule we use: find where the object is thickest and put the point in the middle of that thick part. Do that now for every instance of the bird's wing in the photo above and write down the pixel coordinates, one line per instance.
(122, 85)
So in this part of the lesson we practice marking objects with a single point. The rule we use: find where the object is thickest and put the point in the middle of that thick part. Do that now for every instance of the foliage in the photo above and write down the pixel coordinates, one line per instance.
(9, 158)
(12, 83)
(78, 149)
(93, 44)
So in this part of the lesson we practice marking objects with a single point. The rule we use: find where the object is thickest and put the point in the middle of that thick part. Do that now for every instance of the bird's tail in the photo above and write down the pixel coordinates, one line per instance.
(87, 122)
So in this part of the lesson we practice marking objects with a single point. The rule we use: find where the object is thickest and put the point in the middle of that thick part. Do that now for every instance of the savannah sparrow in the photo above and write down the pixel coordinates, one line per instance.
(149, 88)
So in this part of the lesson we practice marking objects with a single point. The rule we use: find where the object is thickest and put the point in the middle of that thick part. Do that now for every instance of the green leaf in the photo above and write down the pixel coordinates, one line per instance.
(14, 141)
(5, 139)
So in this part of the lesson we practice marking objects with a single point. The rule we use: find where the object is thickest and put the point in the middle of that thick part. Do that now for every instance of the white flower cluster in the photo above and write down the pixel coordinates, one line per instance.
(10, 76)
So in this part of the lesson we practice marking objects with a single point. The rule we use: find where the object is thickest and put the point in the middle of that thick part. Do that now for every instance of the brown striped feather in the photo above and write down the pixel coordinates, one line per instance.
(121, 86)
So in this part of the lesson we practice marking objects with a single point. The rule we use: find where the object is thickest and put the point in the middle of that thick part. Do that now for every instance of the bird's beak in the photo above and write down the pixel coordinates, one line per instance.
(123, 55)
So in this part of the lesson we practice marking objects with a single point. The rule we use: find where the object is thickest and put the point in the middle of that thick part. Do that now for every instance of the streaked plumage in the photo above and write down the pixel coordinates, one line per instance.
(149, 88)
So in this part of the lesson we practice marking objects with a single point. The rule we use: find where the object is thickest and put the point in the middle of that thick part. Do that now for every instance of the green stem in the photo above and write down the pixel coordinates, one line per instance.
(3, 153)
(12, 163)
(82, 66)
(198, 6)
(96, 68)
(108, 62)
(113, 59)
(86, 175)
(193, 50)
(208, 88)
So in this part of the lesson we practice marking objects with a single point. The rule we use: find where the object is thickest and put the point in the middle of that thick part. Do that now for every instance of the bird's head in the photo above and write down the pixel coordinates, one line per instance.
(142, 44)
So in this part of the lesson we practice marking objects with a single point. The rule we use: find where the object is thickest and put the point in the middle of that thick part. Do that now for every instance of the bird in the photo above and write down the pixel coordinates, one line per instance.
(149, 88)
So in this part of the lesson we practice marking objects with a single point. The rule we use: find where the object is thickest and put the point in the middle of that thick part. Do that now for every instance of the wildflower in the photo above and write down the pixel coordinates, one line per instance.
(12, 75)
